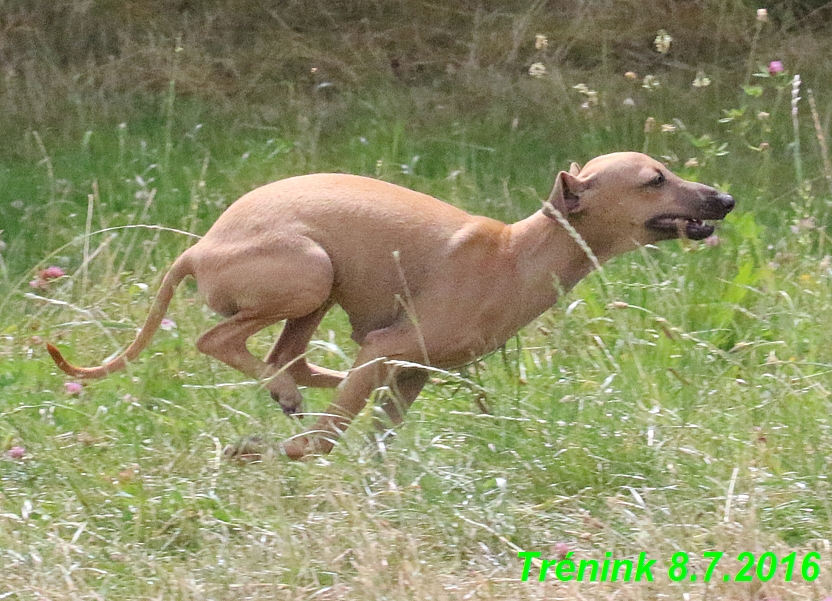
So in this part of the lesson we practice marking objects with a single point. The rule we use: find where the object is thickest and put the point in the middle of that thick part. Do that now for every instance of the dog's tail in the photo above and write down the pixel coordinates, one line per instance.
(177, 272)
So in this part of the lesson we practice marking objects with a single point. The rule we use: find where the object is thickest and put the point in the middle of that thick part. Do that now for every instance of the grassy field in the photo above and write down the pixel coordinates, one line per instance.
(677, 401)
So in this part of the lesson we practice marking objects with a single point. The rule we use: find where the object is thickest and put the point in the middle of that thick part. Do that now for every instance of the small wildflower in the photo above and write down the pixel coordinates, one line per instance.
(85, 438)
(701, 80)
(692, 162)
(16, 452)
(631, 75)
(540, 42)
(72, 387)
(313, 70)
(45, 275)
(560, 549)
(807, 223)
(650, 82)
(662, 41)
(762, 115)
(537, 70)
(126, 475)
(592, 97)
(775, 67)
(712, 241)
(668, 128)
(762, 15)
(649, 124)
(51, 273)
(629, 102)
(167, 324)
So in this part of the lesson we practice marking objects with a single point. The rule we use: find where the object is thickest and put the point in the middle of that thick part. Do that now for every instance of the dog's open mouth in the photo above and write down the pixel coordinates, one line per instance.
(677, 226)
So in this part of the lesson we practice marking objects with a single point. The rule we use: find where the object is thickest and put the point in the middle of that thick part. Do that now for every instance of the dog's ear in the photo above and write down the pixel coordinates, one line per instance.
(566, 195)
(574, 169)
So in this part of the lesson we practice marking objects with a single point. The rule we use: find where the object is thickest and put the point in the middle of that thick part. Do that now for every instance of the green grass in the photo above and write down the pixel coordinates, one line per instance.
(677, 401)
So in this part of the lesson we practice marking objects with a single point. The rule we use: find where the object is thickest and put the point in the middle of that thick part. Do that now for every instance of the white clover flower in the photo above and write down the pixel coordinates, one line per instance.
(629, 102)
(537, 70)
(591, 95)
(662, 41)
(540, 42)
(650, 82)
(762, 15)
(631, 75)
(701, 81)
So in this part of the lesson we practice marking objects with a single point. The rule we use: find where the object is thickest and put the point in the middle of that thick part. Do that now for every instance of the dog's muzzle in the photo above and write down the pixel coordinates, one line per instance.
(692, 226)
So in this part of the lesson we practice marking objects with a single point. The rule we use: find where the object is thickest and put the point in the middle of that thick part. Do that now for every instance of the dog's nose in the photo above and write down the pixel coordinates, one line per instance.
(727, 201)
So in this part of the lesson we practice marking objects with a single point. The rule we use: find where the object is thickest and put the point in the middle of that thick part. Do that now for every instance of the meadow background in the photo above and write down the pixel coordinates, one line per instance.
(676, 401)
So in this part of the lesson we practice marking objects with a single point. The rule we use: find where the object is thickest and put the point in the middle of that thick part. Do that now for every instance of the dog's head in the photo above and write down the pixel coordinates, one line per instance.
(625, 199)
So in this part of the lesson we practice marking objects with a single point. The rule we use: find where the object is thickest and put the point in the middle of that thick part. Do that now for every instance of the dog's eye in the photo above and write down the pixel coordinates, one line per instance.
(657, 181)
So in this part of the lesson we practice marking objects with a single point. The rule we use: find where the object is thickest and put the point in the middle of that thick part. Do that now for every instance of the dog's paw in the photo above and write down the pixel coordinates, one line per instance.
(291, 403)
(303, 448)
(246, 450)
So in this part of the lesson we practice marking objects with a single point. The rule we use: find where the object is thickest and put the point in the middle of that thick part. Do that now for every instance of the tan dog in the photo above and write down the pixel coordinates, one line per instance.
(421, 281)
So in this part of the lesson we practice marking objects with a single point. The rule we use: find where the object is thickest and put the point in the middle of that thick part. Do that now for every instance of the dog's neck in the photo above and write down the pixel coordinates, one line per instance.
(548, 259)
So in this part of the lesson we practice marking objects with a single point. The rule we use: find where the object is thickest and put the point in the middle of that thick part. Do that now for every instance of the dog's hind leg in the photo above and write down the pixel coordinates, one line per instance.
(256, 288)
(227, 342)
(291, 345)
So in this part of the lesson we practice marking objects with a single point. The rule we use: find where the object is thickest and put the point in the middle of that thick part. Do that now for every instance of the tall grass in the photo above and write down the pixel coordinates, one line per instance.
(678, 401)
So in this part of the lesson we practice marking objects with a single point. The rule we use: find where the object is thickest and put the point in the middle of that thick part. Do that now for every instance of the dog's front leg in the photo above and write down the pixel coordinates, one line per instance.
(403, 391)
(371, 370)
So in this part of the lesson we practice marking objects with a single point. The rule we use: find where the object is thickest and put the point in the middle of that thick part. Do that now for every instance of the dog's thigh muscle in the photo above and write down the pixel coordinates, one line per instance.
(292, 277)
